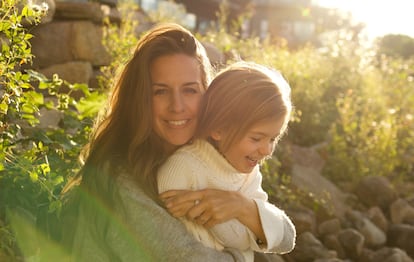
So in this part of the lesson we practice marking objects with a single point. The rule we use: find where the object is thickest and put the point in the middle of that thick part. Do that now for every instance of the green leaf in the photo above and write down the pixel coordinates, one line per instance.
(45, 168)
(28, 108)
(25, 11)
(55, 206)
(35, 97)
(4, 108)
(58, 180)
(90, 107)
(83, 87)
(4, 26)
(33, 176)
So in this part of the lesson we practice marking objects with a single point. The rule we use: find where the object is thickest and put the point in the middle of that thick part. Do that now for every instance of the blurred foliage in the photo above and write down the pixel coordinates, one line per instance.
(35, 158)
(119, 41)
(397, 46)
(361, 108)
(356, 101)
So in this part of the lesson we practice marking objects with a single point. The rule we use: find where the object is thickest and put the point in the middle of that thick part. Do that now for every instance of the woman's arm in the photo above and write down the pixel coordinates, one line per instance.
(149, 228)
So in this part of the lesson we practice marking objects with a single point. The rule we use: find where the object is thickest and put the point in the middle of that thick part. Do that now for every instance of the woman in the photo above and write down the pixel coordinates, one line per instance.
(152, 111)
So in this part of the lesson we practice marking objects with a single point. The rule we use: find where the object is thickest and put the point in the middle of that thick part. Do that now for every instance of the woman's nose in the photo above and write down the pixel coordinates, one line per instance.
(176, 103)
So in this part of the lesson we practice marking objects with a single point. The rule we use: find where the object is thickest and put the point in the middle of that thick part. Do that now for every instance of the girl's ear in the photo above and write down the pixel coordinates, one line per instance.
(216, 135)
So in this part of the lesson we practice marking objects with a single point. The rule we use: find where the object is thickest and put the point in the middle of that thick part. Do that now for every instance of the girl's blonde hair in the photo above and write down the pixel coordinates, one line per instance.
(241, 96)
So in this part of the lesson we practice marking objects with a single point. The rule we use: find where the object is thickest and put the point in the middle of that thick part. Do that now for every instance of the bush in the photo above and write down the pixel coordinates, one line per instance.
(35, 160)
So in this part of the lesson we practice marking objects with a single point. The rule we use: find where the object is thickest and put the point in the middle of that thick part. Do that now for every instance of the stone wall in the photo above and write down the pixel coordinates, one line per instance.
(68, 42)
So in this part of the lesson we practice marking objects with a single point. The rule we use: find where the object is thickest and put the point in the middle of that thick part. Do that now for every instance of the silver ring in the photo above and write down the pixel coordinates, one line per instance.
(196, 202)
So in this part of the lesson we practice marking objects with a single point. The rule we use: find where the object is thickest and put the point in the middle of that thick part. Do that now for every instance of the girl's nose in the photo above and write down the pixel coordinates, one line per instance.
(266, 149)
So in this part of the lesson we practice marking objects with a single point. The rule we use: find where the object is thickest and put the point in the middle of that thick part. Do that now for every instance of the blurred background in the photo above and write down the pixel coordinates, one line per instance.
(344, 172)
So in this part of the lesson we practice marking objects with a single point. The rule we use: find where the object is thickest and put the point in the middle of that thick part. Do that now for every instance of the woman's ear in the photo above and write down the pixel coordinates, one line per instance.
(216, 135)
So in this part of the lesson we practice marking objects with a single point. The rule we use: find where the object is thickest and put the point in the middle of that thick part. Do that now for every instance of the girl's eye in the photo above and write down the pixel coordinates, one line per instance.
(255, 139)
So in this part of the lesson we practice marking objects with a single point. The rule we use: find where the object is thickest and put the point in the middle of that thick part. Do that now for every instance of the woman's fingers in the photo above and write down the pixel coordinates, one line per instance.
(172, 194)
(180, 210)
(180, 202)
(177, 197)
(207, 207)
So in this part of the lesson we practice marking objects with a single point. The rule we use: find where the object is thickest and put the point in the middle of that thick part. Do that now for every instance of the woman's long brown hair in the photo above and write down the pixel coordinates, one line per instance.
(123, 139)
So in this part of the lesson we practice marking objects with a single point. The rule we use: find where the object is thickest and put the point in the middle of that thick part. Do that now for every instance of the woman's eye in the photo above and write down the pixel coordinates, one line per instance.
(191, 90)
(255, 139)
(160, 92)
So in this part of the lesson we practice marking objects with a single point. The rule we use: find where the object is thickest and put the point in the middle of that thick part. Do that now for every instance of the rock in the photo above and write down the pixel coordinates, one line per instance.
(216, 57)
(86, 42)
(327, 260)
(73, 72)
(267, 257)
(68, 41)
(331, 226)
(308, 157)
(401, 212)
(309, 248)
(56, 36)
(377, 217)
(388, 254)
(374, 236)
(352, 241)
(376, 191)
(79, 10)
(402, 236)
(303, 218)
(332, 242)
(367, 255)
(307, 165)
(49, 119)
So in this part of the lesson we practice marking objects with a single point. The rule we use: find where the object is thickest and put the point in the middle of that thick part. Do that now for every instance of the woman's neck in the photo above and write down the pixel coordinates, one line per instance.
(169, 148)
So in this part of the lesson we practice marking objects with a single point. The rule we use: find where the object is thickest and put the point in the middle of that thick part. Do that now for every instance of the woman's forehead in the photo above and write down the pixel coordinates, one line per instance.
(175, 68)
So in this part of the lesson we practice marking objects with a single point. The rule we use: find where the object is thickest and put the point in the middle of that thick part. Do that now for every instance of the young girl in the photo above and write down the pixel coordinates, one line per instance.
(242, 116)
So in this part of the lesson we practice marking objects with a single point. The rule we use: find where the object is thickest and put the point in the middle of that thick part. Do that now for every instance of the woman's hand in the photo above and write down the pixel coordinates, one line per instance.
(208, 207)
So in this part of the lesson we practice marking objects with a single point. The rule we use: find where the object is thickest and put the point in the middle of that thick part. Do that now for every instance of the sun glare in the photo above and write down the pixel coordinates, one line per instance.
(380, 16)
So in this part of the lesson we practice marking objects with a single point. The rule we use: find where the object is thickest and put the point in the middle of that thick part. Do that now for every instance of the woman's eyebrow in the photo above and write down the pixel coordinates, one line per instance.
(191, 83)
(159, 84)
(185, 84)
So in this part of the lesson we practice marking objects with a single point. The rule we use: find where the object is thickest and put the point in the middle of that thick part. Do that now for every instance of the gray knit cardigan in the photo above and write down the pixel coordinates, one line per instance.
(143, 231)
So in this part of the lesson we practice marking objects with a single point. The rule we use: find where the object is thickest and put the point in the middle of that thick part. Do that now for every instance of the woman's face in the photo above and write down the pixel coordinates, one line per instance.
(177, 90)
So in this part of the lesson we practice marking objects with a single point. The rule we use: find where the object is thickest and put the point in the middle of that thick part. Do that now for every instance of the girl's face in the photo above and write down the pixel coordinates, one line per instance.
(177, 90)
(257, 144)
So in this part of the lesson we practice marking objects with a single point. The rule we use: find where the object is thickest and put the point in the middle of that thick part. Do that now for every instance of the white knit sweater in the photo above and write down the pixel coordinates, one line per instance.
(200, 166)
